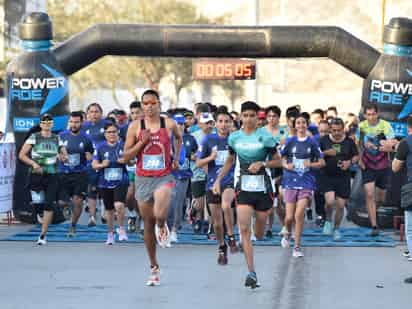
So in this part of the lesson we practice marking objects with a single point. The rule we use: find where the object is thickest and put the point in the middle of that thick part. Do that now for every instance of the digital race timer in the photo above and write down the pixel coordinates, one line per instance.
(223, 69)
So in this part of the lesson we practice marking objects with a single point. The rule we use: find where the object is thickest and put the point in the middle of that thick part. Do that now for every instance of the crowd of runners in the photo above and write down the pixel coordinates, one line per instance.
(217, 169)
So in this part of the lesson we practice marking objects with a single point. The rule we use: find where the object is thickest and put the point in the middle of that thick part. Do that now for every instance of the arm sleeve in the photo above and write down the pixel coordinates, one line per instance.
(402, 152)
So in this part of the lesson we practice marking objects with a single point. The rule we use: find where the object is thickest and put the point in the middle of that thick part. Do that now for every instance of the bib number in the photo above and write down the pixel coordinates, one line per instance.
(185, 165)
(253, 183)
(153, 162)
(221, 157)
(299, 166)
(113, 174)
(73, 159)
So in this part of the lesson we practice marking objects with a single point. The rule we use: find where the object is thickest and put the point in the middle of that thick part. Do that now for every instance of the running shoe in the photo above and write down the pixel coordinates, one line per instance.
(251, 280)
(297, 252)
(154, 278)
(222, 255)
(327, 228)
(337, 235)
(283, 231)
(122, 234)
(131, 224)
(232, 244)
(72, 231)
(67, 212)
(92, 221)
(253, 237)
(285, 241)
(269, 234)
(374, 232)
(408, 280)
(41, 241)
(173, 237)
(405, 253)
(110, 239)
(162, 239)
(197, 227)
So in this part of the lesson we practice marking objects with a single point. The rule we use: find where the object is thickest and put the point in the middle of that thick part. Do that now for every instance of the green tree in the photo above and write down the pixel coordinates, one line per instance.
(73, 17)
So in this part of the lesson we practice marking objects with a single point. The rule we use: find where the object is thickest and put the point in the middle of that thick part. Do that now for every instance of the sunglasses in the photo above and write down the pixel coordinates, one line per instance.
(46, 121)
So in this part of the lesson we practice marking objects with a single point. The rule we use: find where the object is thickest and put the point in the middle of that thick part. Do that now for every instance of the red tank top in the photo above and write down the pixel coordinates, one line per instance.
(155, 160)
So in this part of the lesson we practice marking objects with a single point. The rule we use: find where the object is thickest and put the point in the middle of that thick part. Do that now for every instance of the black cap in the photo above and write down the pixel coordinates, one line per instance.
(46, 117)
(36, 26)
(398, 31)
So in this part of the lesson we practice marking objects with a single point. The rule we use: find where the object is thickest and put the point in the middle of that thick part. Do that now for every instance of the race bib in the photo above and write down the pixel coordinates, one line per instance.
(253, 183)
(185, 165)
(113, 174)
(221, 157)
(73, 159)
(153, 162)
(299, 166)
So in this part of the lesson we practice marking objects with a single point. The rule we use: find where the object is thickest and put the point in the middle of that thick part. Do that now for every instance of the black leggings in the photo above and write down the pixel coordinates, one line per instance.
(49, 184)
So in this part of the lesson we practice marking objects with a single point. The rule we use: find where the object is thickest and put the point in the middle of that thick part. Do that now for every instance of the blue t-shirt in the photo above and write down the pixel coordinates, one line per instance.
(115, 174)
(76, 146)
(210, 143)
(189, 147)
(297, 151)
(95, 131)
(123, 131)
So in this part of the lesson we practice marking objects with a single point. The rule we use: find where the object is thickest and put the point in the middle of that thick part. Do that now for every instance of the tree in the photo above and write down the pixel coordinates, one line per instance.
(72, 17)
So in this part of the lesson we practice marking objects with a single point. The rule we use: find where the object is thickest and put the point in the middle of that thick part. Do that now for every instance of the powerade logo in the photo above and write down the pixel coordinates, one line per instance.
(384, 92)
(32, 89)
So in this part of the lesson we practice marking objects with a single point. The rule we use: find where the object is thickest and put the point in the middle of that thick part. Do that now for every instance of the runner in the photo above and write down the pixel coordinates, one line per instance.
(45, 149)
(340, 153)
(73, 172)
(251, 147)
(150, 140)
(279, 132)
(182, 178)
(300, 154)
(376, 141)
(213, 153)
(94, 129)
(113, 181)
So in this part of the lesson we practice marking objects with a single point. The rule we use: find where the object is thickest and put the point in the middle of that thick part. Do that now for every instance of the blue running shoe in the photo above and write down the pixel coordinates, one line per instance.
(327, 228)
(251, 280)
(337, 235)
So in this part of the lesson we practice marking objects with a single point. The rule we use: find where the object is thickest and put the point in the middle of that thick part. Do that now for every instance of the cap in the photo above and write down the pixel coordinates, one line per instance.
(46, 117)
(188, 113)
(179, 118)
(261, 115)
(206, 117)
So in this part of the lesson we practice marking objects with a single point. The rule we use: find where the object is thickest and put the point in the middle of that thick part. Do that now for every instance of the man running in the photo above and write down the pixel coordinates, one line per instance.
(149, 139)
(340, 153)
(252, 147)
(213, 153)
(73, 172)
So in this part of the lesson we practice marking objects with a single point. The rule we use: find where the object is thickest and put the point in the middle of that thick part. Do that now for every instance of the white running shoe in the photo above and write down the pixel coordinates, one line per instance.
(173, 237)
(297, 252)
(42, 242)
(122, 234)
(163, 240)
(410, 259)
(154, 278)
(285, 241)
(283, 231)
(253, 237)
(110, 238)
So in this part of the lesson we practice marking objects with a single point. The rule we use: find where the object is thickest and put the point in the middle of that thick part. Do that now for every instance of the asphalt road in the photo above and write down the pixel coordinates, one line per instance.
(87, 275)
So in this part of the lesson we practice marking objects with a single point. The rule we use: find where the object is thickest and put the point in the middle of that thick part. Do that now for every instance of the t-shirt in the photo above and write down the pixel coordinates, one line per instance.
(345, 150)
(250, 148)
(189, 148)
(115, 174)
(198, 173)
(373, 158)
(282, 132)
(123, 131)
(211, 143)
(45, 151)
(402, 151)
(296, 151)
(95, 131)
(76, 146)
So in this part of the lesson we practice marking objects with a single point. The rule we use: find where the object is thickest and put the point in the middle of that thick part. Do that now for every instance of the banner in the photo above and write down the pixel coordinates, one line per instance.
(7, 170)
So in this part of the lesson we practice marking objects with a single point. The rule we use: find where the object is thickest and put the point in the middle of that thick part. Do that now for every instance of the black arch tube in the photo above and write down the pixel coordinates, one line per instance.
(216, 41)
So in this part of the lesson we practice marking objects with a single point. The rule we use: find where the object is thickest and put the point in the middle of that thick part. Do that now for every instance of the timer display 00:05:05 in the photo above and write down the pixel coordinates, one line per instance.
(224, 69)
